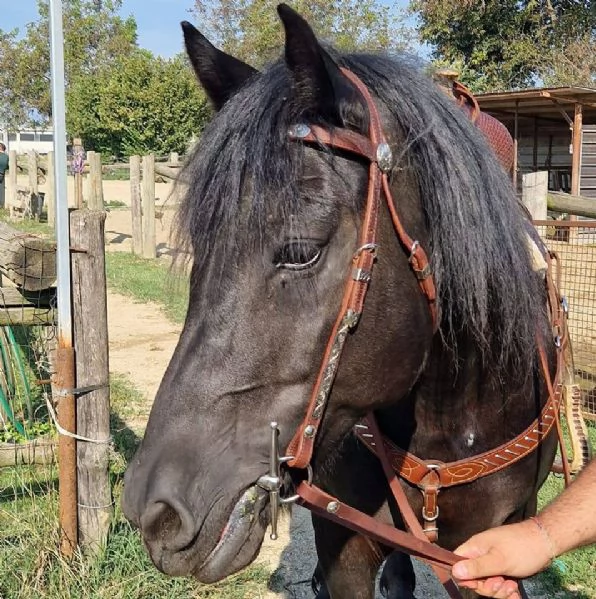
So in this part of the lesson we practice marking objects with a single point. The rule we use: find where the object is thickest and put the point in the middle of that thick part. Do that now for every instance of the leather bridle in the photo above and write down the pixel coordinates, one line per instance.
(375, 149)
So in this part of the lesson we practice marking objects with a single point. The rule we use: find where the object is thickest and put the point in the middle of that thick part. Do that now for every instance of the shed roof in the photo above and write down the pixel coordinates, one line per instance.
(547, 102)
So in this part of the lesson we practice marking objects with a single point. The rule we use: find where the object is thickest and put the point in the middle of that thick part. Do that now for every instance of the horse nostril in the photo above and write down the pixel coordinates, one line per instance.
(168, 524)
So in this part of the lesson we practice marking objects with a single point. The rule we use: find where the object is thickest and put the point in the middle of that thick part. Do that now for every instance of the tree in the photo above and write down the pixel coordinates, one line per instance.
(93, 35)
(251, 31)
(137, 105)
(505, 44)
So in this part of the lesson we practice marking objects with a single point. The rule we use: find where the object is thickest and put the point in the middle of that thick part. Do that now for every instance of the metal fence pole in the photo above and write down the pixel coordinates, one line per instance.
(65, 353)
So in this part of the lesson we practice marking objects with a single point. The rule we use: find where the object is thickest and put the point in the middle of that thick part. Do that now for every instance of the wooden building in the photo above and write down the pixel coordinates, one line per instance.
(554, 129)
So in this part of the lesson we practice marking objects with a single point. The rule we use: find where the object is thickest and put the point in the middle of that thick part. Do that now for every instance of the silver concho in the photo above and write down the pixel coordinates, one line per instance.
(299, 131)
(384, 157)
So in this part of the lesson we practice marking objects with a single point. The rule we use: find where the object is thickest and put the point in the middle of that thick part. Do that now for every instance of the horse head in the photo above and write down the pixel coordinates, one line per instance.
(273, 224)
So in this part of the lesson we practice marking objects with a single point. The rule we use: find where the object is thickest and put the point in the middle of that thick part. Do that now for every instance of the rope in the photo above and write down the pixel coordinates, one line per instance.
(66, 433)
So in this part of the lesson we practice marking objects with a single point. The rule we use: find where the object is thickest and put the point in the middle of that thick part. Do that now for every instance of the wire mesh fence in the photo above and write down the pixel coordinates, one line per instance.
(575, 244)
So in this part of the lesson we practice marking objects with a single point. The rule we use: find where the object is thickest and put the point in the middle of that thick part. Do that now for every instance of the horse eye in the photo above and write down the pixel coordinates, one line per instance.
(297, 255)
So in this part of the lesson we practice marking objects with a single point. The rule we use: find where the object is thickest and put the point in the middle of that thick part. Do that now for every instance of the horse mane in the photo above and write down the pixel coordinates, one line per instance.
(478, 249)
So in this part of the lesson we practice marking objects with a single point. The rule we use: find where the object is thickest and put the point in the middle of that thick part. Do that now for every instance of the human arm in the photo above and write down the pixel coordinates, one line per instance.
(523, 549)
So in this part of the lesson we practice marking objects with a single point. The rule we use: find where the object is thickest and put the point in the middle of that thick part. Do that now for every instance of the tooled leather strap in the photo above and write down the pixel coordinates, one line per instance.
(414, 470)
(302, 444)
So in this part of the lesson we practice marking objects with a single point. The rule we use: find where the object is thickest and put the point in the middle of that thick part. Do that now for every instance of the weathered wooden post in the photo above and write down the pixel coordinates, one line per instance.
(135, 205)
(148, 203)
(174, 158)
(12, 178)
(33, 186)
(95, 201)
(51, 194)
(91, 351)
(89, 200)
(534, 194)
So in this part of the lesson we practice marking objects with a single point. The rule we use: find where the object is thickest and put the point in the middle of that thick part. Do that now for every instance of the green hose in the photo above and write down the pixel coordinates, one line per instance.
(6, 363)
(16, 351)
(10, 414)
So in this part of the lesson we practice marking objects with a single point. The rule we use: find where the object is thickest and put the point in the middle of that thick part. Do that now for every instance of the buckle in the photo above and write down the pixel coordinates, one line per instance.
(361, 274)
(423, 273)
(367, 247)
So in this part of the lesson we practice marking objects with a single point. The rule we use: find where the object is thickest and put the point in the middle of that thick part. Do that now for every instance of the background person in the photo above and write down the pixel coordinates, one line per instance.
(3, 169)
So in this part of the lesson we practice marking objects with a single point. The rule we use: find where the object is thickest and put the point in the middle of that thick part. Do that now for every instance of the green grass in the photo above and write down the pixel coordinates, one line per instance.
(27, 225)
(115, 173)
(115, 204)
(31, 566)
(148, 281)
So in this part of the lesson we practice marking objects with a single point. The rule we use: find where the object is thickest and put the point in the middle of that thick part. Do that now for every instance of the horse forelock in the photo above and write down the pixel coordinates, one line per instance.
(243, 176)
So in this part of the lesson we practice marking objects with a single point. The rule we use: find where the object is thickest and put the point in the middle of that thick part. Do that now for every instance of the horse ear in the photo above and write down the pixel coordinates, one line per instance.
(320, 85)
(220, 74)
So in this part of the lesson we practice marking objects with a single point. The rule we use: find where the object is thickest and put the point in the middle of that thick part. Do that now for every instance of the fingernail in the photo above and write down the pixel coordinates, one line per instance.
(460, 571)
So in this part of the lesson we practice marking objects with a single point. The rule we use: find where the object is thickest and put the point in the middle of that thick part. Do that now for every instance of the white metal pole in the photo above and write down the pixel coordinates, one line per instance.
(60, 185)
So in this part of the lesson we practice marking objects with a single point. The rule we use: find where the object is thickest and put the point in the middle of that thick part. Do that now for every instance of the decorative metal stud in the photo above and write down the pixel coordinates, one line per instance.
(299, 131)
(332, 507)
(565, 305)
(384, 157)
(310, 431)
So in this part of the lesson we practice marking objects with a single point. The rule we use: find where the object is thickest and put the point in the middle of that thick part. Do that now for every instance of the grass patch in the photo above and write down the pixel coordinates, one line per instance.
(148, 281)
(114, 173)
(115, 204)
(28, 225)
(31, 566)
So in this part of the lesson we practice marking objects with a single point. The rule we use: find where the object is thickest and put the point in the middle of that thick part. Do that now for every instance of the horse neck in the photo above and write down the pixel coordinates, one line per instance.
(457, 407)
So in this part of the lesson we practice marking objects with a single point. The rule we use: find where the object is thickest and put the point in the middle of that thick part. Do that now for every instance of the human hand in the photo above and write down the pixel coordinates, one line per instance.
(500, 554)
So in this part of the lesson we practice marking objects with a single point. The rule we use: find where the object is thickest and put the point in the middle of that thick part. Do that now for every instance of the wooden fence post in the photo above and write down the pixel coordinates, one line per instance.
(90, 328)
(174, 158)
(135, 205)
(534, 194)
(12, 179)
(148, 201)
(95, 201)
(33, 187)
(89, 198)
(50, 195)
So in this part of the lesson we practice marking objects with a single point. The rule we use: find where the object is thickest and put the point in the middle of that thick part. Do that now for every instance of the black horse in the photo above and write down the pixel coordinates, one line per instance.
(273, 224)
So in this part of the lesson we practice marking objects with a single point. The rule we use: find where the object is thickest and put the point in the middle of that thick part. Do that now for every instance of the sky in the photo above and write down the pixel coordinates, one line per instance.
(158, 21)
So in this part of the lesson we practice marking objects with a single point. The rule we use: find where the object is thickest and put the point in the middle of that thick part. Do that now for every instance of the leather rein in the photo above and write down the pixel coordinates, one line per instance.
(429, 476)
